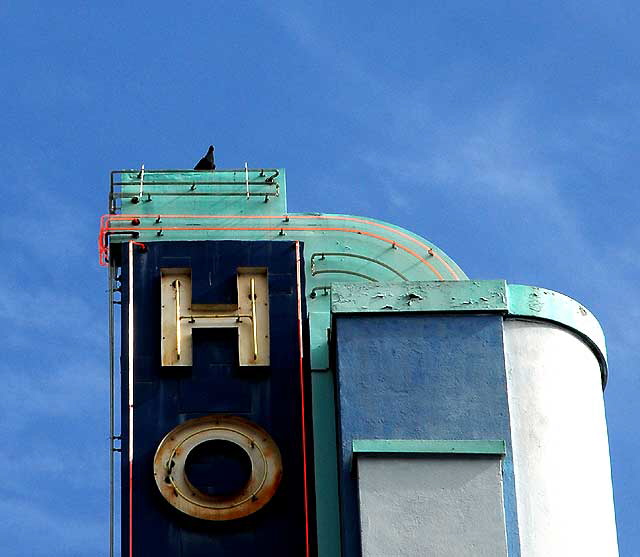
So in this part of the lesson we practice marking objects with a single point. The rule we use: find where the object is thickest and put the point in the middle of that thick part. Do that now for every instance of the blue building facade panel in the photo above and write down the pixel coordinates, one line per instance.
(419, 376)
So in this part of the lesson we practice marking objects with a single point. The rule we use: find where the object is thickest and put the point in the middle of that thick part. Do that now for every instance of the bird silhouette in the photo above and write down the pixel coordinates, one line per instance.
(206, 162)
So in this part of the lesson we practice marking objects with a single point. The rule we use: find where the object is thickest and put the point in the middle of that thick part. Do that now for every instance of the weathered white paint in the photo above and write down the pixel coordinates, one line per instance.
(179, 317)
(560, 446)
(417, 506)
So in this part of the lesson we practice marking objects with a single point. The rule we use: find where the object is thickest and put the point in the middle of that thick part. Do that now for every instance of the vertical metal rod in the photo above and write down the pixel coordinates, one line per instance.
(112, 198)
(111, 407)
(254, 325)
(178, 330)
(130, 366)
(141, 181)
(246, 178)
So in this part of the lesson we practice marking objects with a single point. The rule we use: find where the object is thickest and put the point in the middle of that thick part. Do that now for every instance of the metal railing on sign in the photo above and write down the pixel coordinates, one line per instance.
(142, 185)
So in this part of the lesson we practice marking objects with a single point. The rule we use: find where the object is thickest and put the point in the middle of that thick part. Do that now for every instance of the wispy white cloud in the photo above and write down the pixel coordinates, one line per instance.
(550, 180)
(501, 151)
(299, 22)
(54, 403)
(492, 157)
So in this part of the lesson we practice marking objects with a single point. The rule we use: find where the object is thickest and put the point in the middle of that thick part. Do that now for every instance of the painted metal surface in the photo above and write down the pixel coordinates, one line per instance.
(325, 464)
(173, 482)
(232, 191)
(354, 265)
(429, 446)
(473, 296)
(431, 505)
(458, 296)
(346, 248)
(420, 376)
(404, 252)
(560, 446)
(374, 241)
(174, 206)
(165, 397)
(541, 303)
(248, 315)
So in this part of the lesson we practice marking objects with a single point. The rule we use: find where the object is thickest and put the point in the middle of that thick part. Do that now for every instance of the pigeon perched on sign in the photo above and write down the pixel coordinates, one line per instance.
(206, 162)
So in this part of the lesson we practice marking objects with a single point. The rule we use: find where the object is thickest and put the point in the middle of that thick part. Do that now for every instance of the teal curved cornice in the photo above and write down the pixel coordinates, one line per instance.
(474, 296)
(239, 204)
(541, 303)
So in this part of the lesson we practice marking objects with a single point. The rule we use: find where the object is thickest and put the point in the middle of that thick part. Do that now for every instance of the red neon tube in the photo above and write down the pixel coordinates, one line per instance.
(302, 403)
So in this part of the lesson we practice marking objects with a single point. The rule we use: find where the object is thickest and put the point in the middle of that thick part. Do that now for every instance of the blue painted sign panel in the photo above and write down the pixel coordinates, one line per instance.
(164, 397)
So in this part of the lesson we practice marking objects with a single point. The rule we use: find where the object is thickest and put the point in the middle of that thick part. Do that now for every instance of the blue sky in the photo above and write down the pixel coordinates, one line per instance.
(506, 133)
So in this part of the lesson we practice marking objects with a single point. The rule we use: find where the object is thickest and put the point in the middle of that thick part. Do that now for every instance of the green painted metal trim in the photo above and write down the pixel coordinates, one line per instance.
(222, 192)
(319, 325)
(532, 301)
(477, 296)
(325, 464)
(465, 295)
(429, 446)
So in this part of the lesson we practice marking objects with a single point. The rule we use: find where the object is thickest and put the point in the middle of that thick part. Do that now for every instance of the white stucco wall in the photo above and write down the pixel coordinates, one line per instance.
(431, 506)
(560, 446)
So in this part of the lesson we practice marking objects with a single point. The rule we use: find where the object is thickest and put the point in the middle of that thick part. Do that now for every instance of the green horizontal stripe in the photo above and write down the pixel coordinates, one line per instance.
(426, 446)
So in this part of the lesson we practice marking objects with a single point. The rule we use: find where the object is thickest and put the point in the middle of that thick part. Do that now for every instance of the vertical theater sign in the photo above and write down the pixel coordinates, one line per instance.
(305, 384)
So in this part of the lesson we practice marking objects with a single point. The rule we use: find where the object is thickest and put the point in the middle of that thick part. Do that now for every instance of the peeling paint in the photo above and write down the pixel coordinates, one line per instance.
(420, 296)
(470, 296)
(534, 303)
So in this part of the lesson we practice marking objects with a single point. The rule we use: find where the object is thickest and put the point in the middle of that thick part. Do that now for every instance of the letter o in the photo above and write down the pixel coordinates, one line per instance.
(174, 485)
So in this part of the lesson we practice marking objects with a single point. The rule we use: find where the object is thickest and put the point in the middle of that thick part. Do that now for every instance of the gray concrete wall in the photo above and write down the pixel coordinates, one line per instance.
(431, 506)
